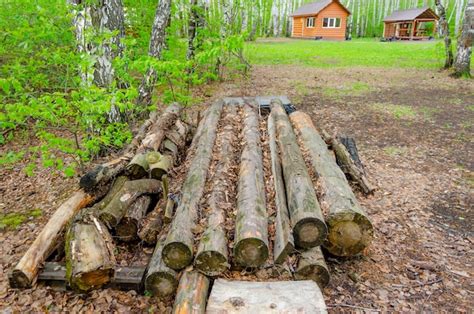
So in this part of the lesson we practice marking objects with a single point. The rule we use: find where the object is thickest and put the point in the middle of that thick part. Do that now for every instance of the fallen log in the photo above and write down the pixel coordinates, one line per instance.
(162, 167)
(159, 279)
(169, 209)
(131, 190)
(178, 250)
(212, 256)
(25, 272)
(90, 259)
(350, 231)
(127, 229)
(311, 266)
(251, 228)
(192, 293)
(284, 241)
(306, 217)
(116, 186)
(152, 224)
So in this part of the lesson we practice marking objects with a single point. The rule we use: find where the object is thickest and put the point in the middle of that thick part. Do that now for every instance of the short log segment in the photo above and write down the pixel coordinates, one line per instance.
(127, 229)
(160, 280)
(350, 231)
(116, 186)
(192, 293)
(90, 260)
(131, 190)
(25, 272)
(307, 219)
(212, 256)
(284, 241)
(251, 228)
(312, 266)
(178, 250)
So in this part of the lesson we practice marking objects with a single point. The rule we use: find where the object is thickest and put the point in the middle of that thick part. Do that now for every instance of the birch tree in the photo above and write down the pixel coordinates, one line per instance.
(462, 65)
(444, 30)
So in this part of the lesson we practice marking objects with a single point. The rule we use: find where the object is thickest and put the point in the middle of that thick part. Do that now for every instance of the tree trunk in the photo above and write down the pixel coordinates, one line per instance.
(127, 229)
(160, 280)
(90, 260)
(212, 256)
(178, 251)
(350, 231)
(192, 293)
(24, 273)
(444, 29)
(462, 64)
(192, 29)
(131, 190)
(157, 43)
(307, 219)
(311, 266)
(284, 241)
(251, 227)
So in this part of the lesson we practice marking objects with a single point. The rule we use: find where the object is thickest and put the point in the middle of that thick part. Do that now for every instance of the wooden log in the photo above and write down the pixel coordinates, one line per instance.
(162, 167)
(116, 186)
(127, 229)
(178, 250)
(90, 260)
(350, 231)
(159, 279)
(251, 227)
(192, 293)
(212, 256)
(131, 190)
(152, 224)
(284, 241)
(312, 266)
(169, 210)
(138, 167)
(307, 219)
(24, 273)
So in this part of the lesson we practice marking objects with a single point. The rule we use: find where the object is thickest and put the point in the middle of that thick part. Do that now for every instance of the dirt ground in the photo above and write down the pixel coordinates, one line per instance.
(414, 131)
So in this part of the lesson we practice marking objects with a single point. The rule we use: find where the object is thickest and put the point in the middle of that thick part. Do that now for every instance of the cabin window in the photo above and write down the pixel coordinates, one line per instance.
(310, 22)
(331, 22)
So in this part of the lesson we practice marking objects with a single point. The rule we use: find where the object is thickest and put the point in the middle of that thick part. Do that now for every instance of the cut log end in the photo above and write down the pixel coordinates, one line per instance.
(161, 284)
(177, 255)
(310, 232)
(317, 273)
(348, 237)
(251, 252)
(211, 263)
(19, 279)
(127, 230)
(93, 279)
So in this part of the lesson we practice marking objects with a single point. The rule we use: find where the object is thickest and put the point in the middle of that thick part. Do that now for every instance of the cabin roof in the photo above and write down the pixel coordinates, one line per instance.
(315, 7)
(411, 14)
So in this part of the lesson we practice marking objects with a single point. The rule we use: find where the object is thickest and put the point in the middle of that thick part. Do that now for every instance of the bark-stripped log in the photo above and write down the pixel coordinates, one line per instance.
(251, 227)
(192, 293)
(90, 260)
(312, 266)
(131, 190)
(160, 280)
(178, 251)
(127, 229)
(25, 272)
(306, 217)
(284, 241)
(212, 256)
(350, 231)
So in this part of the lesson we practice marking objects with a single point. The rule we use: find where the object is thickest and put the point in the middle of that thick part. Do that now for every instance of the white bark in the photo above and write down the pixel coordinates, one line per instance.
(462, 64)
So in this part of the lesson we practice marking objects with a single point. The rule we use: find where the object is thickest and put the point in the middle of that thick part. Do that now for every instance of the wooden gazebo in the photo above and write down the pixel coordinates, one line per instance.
(409, 24)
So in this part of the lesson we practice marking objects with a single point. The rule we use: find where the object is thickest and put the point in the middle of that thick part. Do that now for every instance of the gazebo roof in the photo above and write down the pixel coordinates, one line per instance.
(411, 14)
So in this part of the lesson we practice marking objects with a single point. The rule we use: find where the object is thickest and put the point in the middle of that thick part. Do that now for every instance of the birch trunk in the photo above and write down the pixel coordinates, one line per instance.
(462, 64)
(444, 29)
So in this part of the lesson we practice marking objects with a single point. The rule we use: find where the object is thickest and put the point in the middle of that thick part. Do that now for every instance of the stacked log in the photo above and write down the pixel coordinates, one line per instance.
(178, 250)
(127, 229)
(307, 220)
(312, 266)
(212, 256)
(251, 227)
(192, 293)
(350, 231)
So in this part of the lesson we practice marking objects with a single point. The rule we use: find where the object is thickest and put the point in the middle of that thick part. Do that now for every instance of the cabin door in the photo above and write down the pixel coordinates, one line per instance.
(298, 26)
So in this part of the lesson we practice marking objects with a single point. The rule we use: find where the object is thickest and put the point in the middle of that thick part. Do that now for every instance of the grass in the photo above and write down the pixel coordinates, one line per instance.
(397, 111)
(395, 151)
(355, 89)
(359, 52)
(14, 220)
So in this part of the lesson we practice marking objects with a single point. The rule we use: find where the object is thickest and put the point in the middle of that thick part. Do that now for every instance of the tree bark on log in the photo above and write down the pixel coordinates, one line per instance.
(350, 231)
(160, 280)
(127, 229)
(116, 186)
(178, 251)
(462, 63)
(312, 266)
(152, 224)
(131, 190)
(284, 241)
(251, 227)
(192, 293)
(25, 272)
(90, 260)
(212, 255)
(306, 217)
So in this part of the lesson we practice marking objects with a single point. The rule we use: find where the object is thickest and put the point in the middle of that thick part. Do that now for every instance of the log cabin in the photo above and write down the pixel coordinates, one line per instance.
(411, 24)
(326, 19)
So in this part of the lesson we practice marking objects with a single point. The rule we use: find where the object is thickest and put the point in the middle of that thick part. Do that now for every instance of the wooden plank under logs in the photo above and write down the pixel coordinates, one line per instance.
(192, 293)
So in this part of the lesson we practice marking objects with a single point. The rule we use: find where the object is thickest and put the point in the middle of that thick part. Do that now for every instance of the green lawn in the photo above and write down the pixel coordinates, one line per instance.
(359, 52)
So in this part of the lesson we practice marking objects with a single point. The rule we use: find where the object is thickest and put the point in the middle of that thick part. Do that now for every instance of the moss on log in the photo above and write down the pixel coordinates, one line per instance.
(127, 229)
(192, 293)
(116, 186)
(251, 228)
(307, 219)
(178, 251)
(162, 167)
(312, 266)
(350, 230)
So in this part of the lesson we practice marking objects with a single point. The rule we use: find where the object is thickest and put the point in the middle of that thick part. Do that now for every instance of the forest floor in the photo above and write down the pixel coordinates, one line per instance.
(414, 132)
